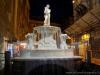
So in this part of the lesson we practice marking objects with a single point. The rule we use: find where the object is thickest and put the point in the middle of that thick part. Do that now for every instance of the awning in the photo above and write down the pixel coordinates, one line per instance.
(88, 22)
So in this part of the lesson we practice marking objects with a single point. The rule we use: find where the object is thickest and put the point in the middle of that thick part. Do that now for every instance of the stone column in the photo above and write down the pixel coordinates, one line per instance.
(5, 42)
(76, 44)
(90, 4)
(88, 51)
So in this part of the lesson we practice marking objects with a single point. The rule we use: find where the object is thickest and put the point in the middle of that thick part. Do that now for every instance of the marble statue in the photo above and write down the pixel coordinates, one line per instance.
(47, 15)
(30, 41)
(63, 38)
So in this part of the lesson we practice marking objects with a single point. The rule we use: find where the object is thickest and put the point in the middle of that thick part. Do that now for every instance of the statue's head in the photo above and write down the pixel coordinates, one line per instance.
(48, 6)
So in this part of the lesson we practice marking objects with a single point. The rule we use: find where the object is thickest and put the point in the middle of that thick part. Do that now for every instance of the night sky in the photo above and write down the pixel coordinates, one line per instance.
(60, 9)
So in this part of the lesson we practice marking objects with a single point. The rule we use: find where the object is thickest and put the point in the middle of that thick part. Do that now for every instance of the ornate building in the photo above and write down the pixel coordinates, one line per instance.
(87, 21)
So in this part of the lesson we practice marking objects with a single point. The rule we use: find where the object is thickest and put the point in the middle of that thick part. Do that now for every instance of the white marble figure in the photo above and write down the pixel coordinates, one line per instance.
(30, 42)
(47, 15)
(63, 41)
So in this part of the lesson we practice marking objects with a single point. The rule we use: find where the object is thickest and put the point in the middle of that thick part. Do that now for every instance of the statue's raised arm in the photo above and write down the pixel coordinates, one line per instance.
(47, 15)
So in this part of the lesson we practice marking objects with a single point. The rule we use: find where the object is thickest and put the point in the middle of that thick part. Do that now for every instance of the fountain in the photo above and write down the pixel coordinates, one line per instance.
(46, 41)
(46, 47)
(46, 37)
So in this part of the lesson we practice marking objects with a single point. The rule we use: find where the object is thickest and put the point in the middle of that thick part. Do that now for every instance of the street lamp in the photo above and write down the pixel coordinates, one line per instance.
(86, 37)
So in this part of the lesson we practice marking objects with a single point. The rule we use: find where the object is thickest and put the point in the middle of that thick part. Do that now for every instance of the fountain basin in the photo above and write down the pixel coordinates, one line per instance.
(46, 53)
